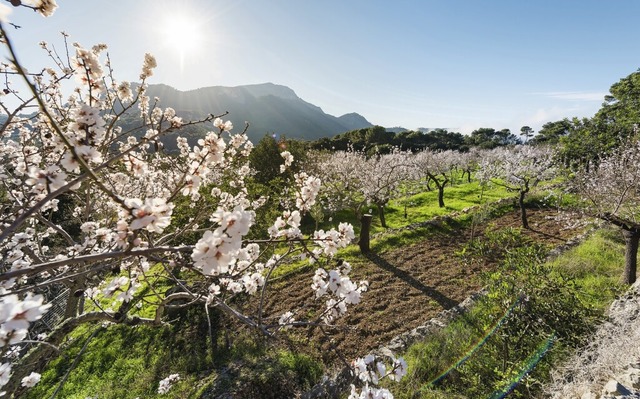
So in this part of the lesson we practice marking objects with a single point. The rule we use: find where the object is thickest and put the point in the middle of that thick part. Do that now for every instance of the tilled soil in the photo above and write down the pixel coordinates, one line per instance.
(407, 286)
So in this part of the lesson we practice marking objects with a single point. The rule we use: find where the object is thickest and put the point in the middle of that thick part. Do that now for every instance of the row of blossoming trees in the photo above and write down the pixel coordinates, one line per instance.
(66, 154)
(352, 180)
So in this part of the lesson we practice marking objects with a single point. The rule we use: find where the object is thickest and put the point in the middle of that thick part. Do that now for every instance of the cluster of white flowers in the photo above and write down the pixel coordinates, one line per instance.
(370, 370)
(288, 160)
(31, 380)
(88, 68)
(286, 320)
(218, 250)
(287, 225)
(337, 284)
(15, 316)
(167, 383)
(218, 123)
(308, 188)
(154, 214)
(147, 66)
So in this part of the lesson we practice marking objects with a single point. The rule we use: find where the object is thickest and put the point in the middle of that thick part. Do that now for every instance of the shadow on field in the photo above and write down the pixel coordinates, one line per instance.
(443, 300)
(547, 235)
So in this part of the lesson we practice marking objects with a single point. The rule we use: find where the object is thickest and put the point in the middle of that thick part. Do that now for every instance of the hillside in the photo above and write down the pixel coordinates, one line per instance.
(269, 108)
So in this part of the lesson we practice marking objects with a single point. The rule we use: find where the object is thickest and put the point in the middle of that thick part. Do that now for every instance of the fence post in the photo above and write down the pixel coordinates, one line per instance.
(365, 230)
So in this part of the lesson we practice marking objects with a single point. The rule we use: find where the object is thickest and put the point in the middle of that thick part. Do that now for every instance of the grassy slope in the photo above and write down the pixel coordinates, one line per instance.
(593, 268)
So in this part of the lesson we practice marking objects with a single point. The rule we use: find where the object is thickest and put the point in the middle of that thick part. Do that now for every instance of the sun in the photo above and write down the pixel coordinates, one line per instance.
(182, 35)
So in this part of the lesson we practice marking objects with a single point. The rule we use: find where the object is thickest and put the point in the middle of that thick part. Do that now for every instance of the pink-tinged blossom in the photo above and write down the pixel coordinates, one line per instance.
(124, 92)
(147, 66)
(51, 179)
(211, 149)
(153, 215)
(287, 225)
(218, 123)
(399, 369)
(213, 253)
(234, 223)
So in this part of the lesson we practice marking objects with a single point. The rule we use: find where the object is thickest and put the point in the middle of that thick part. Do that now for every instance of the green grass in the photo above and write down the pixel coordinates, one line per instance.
(423, 207)
(124, 362)
(597, 265)
(584, 280)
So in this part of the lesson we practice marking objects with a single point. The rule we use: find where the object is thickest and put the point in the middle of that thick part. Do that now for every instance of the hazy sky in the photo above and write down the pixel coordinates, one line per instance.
(449, 63)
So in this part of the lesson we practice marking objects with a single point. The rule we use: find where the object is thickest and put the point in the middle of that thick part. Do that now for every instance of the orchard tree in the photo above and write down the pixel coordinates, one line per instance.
(340, 172)
(612, 192)
(381, 177)
(518, 169)
(437, 167)
(469, 161)
(126, 194)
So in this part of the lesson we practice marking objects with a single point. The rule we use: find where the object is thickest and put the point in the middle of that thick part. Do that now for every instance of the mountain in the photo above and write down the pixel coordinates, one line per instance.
(269, 109)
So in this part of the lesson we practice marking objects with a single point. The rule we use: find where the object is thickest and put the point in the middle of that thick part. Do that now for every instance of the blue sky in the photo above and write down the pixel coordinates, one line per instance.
(450, 63)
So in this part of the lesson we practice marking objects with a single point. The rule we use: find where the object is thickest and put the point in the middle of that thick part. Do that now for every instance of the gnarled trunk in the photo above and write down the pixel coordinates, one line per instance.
(441, 196)
(523, 210)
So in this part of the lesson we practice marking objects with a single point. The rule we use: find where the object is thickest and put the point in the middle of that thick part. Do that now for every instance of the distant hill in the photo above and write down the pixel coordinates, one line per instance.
(269, 109)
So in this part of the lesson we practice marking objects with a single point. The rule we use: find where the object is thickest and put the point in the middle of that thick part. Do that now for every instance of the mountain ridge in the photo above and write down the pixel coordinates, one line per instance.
(268, 108)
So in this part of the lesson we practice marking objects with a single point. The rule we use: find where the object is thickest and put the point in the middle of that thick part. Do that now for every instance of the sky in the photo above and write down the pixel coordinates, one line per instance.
(456, 64)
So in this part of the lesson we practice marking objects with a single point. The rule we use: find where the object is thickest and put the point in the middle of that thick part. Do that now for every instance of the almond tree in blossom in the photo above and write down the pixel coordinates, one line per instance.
(60, 148)
(380, 178)
(340, 172)
(611, 191)
(518, 169)
(437, 167)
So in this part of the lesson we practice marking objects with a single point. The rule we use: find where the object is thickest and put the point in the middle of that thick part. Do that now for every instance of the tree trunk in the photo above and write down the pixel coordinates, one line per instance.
(631, 237)
(383, 221)
(75, 293)
(523, 211)
(441, 196)
(365, 229)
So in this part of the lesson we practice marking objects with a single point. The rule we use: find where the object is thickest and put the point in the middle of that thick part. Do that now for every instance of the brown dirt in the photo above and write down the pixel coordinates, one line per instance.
(407, 286)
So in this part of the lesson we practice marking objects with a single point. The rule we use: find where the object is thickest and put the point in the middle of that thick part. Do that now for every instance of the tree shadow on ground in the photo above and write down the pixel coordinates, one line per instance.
(547, 235)
(443, 300)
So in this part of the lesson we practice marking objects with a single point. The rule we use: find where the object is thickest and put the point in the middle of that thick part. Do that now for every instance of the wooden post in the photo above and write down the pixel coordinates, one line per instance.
(365, 229)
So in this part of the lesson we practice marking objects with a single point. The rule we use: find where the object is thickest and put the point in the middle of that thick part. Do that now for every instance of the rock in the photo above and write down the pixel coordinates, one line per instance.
(631, 378)
(614, 388)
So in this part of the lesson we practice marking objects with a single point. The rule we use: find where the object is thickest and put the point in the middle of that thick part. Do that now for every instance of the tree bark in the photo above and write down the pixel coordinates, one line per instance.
(632, 238)
(523, 210)
(441, 196)
(365, 230)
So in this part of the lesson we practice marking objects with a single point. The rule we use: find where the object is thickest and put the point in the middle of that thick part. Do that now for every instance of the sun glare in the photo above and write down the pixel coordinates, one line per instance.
(182, 35)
